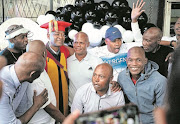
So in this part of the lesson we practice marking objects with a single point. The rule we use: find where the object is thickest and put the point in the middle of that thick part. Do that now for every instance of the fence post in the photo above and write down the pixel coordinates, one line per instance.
(3, 10)
(51, 4)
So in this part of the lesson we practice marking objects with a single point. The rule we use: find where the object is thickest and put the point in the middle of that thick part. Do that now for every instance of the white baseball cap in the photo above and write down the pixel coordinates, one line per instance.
(15, 30)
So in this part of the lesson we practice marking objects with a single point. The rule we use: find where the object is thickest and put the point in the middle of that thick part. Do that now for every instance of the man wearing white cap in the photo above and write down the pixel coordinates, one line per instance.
(17, 37)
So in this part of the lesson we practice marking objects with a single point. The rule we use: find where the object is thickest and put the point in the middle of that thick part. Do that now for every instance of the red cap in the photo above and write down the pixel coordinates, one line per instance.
(54, 25)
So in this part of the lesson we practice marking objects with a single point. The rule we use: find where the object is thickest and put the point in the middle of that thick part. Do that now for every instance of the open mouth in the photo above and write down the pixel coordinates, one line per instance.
(117, 49)
(145, 48)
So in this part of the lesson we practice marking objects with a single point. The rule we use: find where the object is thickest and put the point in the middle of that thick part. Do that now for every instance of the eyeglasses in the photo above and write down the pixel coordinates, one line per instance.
(14, 28)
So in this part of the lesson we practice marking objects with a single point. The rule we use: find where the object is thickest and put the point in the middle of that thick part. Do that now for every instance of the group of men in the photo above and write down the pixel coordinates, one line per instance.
(38, 77)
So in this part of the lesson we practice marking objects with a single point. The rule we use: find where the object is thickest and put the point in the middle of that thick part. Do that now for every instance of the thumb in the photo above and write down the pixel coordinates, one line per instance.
(35, 92)
(168, 57)
(72, 117)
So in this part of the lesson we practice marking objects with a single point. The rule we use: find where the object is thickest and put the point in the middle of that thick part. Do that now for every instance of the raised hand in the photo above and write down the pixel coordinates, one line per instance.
(41, 99)
(137, 10)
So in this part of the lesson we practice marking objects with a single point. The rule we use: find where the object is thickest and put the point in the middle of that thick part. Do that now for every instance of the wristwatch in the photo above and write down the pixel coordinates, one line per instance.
(171, 43)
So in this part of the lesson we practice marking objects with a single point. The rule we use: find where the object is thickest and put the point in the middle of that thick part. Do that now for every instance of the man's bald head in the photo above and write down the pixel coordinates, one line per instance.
(82, 35)
(29, 64)
(154, 31)
(106, 67)
(151, 39)
(136, 49)
(37, 46)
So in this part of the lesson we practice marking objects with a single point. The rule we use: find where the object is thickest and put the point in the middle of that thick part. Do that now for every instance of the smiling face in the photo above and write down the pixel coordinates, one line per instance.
(56, 38)
(136, 61)
(102, 76)
(80, 44)
(113, 46)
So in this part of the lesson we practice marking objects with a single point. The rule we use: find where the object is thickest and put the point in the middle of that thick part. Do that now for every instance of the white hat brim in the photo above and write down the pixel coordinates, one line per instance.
(16, 33)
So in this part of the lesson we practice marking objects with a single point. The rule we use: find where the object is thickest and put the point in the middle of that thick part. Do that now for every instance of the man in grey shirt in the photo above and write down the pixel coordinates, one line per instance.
(97, 95)
(142, 84)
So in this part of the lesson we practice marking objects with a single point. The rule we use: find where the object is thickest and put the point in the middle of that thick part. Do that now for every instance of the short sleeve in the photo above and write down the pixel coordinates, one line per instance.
(77, 103)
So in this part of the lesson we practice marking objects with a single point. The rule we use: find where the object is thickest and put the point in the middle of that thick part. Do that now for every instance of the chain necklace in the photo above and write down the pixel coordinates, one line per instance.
(14, 55)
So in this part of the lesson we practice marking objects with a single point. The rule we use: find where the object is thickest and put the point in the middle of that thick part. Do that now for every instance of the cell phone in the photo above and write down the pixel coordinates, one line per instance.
(127, 114)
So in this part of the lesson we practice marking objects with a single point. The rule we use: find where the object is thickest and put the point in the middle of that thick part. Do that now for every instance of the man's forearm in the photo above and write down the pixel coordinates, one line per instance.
(26, 117)
(54, 112)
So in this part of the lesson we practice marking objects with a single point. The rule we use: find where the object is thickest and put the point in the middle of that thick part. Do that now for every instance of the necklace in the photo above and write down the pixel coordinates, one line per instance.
(14, 55)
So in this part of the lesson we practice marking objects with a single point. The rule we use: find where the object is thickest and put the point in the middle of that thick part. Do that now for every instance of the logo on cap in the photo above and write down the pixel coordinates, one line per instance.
(114, 32)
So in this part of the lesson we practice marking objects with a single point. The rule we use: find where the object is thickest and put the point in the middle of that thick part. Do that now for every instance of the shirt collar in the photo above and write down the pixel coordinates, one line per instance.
(108, 93)
(53, 50)
(86, 58)
(14, 77)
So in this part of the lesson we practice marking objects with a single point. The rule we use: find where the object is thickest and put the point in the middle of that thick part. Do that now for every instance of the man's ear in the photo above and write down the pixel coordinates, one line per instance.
(126, 60)
(106, 41)
(111, 78)
(158, 41)
(146, 60)
(11, 40)
(48, 36)
(88, 43)
(32, 73)
(44, 54)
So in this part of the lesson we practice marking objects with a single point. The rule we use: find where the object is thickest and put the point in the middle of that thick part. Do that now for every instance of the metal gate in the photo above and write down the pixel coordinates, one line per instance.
(29, 8)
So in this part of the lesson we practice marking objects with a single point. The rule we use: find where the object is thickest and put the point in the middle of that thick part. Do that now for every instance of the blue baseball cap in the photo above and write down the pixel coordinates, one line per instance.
(113, 33)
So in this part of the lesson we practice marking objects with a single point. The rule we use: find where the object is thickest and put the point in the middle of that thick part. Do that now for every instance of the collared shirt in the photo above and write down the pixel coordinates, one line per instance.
(13, 92)
(41, 116)
(87, 100)
(80, 72)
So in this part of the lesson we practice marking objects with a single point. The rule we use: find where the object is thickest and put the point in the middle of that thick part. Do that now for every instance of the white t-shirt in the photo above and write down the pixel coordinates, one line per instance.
(80, 72)
(169, 38)
(41, 116)
(117, 61)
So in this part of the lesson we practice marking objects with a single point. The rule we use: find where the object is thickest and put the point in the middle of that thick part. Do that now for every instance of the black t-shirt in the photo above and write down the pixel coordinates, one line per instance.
(11, 57)
(159, 57)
